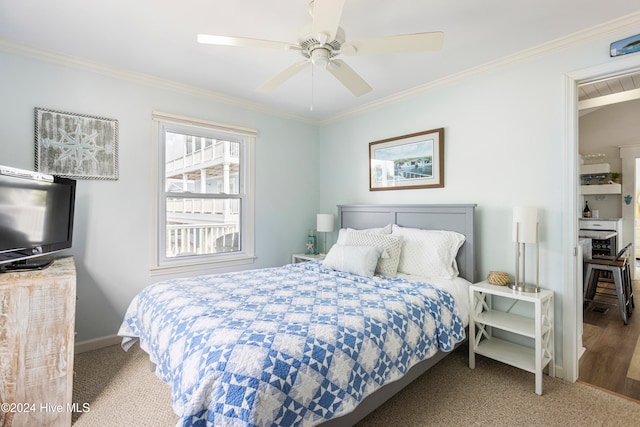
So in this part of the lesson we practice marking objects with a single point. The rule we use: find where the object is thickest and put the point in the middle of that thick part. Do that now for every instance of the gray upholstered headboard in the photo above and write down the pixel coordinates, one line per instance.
(457, 218)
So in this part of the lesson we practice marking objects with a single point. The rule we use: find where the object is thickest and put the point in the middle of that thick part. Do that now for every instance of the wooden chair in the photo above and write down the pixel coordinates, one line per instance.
(619, 267)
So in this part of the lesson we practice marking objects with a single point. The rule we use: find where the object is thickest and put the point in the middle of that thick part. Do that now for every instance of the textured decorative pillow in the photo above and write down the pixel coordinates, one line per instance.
(342, 234)
(360, 260)
(428, 253)
(390, 245)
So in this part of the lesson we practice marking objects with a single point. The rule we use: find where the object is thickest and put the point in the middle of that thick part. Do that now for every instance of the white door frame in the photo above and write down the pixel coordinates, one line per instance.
(572, 287)
(629, 154)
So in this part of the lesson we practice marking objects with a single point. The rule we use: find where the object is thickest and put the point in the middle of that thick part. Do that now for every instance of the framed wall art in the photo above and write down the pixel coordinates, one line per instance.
(408, 161)
(625, 46)
(76, 145)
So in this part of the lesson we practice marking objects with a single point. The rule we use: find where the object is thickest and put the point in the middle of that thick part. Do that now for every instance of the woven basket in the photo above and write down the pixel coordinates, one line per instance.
(498, 278)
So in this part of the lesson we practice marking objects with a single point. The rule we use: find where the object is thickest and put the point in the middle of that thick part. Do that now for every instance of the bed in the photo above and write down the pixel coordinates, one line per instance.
(316, 343)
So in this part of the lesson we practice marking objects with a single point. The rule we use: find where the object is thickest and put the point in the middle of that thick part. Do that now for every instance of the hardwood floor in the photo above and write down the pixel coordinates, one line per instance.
(610, 346)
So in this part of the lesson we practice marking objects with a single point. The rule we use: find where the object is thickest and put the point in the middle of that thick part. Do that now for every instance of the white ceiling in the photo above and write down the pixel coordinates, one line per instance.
(158, 38)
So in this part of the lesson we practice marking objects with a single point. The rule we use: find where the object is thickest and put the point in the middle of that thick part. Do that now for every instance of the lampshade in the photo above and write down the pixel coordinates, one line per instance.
(525, 224)
(324, 223)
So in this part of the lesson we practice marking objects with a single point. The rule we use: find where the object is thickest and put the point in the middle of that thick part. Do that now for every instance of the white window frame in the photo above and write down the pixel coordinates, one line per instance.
(160, 263)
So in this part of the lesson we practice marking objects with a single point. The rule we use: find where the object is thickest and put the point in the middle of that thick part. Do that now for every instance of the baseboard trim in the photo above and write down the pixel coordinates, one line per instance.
(560, 373)
(96, 343)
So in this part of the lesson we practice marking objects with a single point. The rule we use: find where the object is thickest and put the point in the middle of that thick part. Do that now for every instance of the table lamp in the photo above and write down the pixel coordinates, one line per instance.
(525, 231)
(324, 224)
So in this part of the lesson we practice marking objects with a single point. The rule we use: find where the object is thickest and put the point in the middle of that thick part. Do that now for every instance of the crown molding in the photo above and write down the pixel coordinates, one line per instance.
(59, 58)
(627, 22)
(615, 26)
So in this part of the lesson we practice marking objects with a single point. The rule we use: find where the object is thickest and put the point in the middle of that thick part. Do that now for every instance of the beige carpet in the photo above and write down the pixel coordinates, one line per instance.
(120, 390)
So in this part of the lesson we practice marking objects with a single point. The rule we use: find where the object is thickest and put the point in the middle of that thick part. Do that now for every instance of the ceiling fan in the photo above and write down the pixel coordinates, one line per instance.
(321, 42)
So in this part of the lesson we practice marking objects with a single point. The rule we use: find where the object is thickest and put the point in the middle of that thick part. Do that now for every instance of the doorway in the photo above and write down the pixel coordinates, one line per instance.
(608, 130)
(572, 282)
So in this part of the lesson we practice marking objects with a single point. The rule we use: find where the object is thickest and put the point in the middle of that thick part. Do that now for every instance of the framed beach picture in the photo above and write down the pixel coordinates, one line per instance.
(408, 161)
(76, 145)
(625, 46)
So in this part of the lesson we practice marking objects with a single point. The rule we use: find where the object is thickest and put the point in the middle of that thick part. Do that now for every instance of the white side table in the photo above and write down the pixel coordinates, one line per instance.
(295, 258)
(483, 318)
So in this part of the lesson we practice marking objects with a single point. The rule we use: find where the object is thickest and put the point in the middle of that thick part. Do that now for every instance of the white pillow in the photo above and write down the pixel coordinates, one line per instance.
(342, 233)
(390, 245)
(428, 253)
(360, 260)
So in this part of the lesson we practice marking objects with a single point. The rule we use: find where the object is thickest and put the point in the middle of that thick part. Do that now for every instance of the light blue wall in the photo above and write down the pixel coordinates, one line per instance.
(113, 232)
(504, 147)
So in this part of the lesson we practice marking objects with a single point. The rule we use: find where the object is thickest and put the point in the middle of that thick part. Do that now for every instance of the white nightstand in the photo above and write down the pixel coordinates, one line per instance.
(482, 318)
(295, 258)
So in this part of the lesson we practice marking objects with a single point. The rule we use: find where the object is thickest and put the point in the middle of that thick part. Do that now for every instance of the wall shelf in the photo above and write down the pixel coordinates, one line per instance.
(599, 168)
(601, 189)
(598, 173)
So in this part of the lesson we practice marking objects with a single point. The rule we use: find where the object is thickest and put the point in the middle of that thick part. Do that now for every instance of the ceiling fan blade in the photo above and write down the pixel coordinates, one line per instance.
(284, 75)
(349, 78)
(326, 18)
(418, 42)
(244, 41)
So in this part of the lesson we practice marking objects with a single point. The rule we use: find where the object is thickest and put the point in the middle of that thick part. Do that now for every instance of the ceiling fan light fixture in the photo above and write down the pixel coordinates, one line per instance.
(320, 56)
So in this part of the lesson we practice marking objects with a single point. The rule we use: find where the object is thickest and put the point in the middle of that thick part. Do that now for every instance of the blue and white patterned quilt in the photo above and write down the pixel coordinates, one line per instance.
(293, 345)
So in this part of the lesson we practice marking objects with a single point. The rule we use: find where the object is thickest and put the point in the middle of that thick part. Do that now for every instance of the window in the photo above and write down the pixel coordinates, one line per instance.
(205, 203)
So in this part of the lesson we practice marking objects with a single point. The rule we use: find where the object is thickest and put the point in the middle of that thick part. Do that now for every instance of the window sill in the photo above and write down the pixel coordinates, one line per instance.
(158, 270)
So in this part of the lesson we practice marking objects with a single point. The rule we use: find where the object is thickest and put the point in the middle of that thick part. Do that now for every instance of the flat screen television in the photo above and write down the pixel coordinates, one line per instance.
(36, 217)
